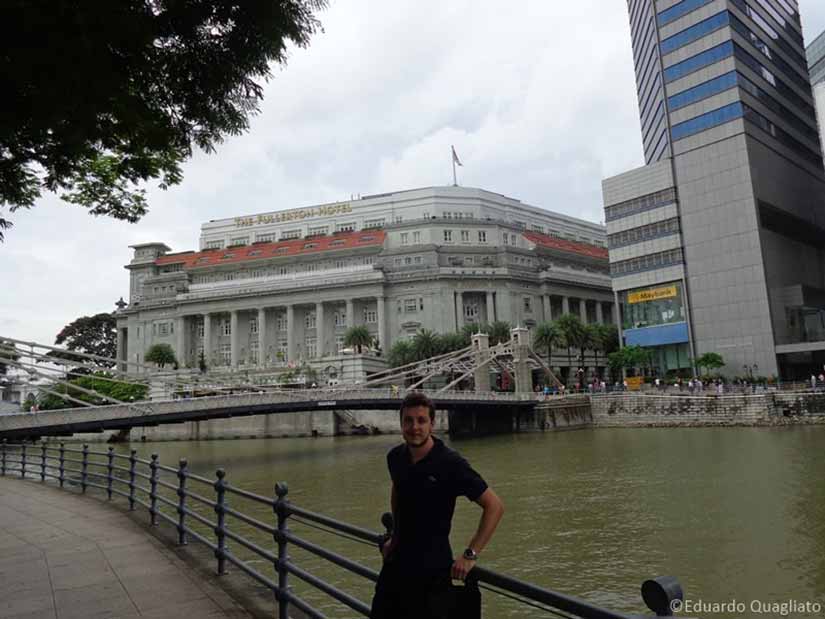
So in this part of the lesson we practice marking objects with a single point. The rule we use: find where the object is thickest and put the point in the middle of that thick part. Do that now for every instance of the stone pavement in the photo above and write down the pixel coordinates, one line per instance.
(65, 556)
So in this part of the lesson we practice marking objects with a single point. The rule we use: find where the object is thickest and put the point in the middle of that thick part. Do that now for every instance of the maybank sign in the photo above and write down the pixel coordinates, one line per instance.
(296, 215)
(652, 294)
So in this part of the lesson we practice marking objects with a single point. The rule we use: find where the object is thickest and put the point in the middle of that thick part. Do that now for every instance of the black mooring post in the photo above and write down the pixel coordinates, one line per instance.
(182, 473)
(62, 465)
(153, 490)
(281, 508)
(23, 460)
(132, 465)
(43, 461)
(663, 595)
(110, 458)
(220, 526)
(84, 467)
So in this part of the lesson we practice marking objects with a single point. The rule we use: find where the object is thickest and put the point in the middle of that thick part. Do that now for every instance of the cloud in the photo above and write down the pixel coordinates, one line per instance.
(537, 96)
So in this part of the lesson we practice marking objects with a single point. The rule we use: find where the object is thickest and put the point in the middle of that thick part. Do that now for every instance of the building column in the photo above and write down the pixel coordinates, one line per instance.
(502, 305)
(261, 336)
(548, 308)
(491, 308)
(290, 332)
(565, 305)
(207, 340)
(319, 329)
(382, 324)
(599, 314)
(350, 314)
(233, 338)
(583, 310)
(121, 367)
(180, 334)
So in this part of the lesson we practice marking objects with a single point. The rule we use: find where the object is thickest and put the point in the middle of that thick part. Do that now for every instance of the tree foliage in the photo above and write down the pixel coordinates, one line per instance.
(401, 353)
(115, 390)
(161, 354)
(8, 351)
(100, 97)
(547, 335)
(92, 335)
(710, 361)
(358, 337)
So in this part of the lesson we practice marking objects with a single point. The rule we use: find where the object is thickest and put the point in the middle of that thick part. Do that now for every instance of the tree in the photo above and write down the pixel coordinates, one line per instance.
(116, 390)
(357, 337)
(92, 335)
(160, 354)
(100, 97)
(401, 353)
(425, 344)
(547, 335)
(574, 334)
(8, 351)
(499, 331)
(450, 342)
(710, 361)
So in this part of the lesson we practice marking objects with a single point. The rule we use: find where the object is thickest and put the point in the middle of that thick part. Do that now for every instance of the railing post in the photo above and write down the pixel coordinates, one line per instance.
(109, 470)
(84, 467)
(281, 508)
(182, 473)
(43, 461)
(3, 458)
(132, 465)
(220, 526)
(23, 459)
(61, 465)
(153, 490)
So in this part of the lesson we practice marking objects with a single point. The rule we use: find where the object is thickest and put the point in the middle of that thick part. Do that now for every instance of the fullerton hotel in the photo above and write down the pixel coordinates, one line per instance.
(283, 287)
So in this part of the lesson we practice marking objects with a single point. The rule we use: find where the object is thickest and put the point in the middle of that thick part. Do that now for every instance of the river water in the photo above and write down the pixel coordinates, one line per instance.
(736, 514)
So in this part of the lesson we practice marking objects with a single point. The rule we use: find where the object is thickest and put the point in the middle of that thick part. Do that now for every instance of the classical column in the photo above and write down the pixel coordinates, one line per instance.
(207, 340)
(233, 337)
(180, 333)
(382, 324)
(565, 305)
(350, 314)
(548, 308)
(121, 367)
(599, 314)
(583, 310)
(459, 314)
(290, 332)
(319, 329)
(261, 336)
(491, 308)
(503, 305)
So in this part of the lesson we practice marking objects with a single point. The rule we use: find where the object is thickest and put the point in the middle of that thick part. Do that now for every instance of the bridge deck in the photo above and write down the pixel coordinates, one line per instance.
(65, 556)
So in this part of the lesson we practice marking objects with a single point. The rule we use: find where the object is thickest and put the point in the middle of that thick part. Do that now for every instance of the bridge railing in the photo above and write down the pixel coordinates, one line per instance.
(206, 513)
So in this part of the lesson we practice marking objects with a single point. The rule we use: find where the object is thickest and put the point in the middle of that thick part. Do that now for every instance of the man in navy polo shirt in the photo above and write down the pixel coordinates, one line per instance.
(427, 477)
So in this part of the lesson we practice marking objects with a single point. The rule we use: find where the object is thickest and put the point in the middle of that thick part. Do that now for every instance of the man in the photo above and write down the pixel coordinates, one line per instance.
(427, 477)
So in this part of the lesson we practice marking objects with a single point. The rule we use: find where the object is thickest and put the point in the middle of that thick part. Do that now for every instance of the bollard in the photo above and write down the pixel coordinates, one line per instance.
(220, 526)
(153, 490)
(43, 462)
(132, 465)
(3, 458)
(281, 510)
(84, 468)
(109, 470)
(23, 460)
(182, 473)
(62, 465)
(661, 594)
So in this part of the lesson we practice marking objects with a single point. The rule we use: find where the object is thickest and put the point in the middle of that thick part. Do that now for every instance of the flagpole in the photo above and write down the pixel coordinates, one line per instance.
(455, 183)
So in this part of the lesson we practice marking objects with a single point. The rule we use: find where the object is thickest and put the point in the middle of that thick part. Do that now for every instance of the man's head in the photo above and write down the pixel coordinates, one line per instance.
(417, 419)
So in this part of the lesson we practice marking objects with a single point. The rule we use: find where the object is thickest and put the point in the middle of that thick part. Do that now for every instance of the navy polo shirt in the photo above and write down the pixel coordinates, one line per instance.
(426, 492)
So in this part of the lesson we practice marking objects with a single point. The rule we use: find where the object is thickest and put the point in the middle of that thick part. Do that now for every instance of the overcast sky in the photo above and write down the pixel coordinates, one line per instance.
(538, 97)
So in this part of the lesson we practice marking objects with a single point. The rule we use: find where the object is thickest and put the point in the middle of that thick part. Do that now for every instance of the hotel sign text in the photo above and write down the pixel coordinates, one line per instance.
(296, 215)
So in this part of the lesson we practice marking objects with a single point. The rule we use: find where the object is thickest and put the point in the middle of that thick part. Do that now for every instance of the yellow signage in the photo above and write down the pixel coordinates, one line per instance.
(634, 383)
(652, 294)
(296, 215)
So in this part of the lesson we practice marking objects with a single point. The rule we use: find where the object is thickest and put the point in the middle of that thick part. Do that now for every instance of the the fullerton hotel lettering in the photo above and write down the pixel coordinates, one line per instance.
(304, 213)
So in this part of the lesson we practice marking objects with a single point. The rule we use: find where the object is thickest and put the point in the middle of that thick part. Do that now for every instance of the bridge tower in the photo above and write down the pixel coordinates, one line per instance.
(521, 353)
(481, 347)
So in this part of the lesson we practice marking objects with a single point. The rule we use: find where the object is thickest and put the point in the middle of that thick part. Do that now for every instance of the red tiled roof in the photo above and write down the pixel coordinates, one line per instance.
(573, 247)
(260, 251)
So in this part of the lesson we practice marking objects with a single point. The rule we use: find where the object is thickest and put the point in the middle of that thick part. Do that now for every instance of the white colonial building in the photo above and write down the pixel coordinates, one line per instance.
(280, 287)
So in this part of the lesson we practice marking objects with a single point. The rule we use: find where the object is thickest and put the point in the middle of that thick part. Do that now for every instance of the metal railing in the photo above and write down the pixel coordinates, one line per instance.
(146, 483)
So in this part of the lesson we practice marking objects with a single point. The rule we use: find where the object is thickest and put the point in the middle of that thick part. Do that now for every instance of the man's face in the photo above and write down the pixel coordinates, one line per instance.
(416, 425)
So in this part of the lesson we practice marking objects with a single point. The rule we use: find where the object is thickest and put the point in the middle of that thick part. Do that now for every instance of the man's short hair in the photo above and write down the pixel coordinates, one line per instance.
(414, 399)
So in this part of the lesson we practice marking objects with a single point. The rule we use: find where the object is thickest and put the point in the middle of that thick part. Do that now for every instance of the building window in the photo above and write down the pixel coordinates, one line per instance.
(283, 270)
(405, 238)
(468, 260)
(421, 303)
(311, 347)
(537, 228)
(238, 241)
(225, 354)
(283, 350)
(318, 231)
(482, 236)
(339, 344)
(409, 306)
(448, 236)
(373, 224)
(528, 304)
(513, 241)
(465, 236)
(407, 261)
(214, 245)
(506, 238)
(226, 327)
(163, 329)
(417, 260)
(471, 311)
(416, 238)
(370, 316)
(253, 352)
(253, 325)
(290, 234)
(199, 328)
(340, 264)
(281, 323)
(340, 318)
(346, 227)
(309, 320)
(264, 238)
(368, 260)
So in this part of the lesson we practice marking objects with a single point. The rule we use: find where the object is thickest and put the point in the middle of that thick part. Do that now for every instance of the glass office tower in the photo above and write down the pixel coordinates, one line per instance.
(728, 215)
(816, 65)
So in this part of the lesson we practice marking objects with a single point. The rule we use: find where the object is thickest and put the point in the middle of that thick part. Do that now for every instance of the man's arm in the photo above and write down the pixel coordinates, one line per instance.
(492, 511)
(390, 544)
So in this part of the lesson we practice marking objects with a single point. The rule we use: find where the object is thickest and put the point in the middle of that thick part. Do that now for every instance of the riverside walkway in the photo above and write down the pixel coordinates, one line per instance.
(64, 556)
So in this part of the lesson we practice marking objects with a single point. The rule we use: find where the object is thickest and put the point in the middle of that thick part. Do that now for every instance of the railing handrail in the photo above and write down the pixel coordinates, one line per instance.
(14, 458)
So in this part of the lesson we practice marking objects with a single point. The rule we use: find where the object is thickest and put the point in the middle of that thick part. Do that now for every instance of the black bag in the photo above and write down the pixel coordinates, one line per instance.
(466, 600)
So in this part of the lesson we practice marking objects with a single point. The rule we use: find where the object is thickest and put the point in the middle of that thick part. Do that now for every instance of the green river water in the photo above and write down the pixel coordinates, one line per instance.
(737, 514)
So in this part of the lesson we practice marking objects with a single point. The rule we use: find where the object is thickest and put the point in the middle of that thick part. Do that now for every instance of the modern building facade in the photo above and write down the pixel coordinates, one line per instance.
(283, 287)
(716, 245)
(816, 66)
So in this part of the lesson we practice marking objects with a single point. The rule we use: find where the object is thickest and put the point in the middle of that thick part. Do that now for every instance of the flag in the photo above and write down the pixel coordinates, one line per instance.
(456, 160)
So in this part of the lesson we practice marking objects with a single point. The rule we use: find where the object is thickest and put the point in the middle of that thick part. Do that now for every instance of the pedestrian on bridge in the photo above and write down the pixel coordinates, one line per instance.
(427, 478)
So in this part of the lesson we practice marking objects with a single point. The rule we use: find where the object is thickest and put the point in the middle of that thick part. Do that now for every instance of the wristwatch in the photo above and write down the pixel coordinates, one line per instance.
(470, 554)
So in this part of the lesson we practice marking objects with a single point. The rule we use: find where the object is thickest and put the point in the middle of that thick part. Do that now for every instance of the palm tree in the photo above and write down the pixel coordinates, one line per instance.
(595, 342)
(425, 344)
(357, 337)
(547, 335)
(401, 353)
(499, 331)
(450, 342)
(574, 334)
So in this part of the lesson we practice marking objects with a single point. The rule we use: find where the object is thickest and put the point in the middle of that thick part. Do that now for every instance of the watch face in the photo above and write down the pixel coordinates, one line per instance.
(471, 554)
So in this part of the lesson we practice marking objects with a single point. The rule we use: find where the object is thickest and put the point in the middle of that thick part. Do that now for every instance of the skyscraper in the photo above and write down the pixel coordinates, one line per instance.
(816, 65)
(718, 243)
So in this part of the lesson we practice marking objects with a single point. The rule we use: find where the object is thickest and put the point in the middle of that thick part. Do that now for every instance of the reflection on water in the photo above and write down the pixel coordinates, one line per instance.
(732, 512)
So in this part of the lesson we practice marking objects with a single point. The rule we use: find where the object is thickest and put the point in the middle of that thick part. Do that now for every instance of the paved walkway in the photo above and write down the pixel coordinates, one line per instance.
(64, 556)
